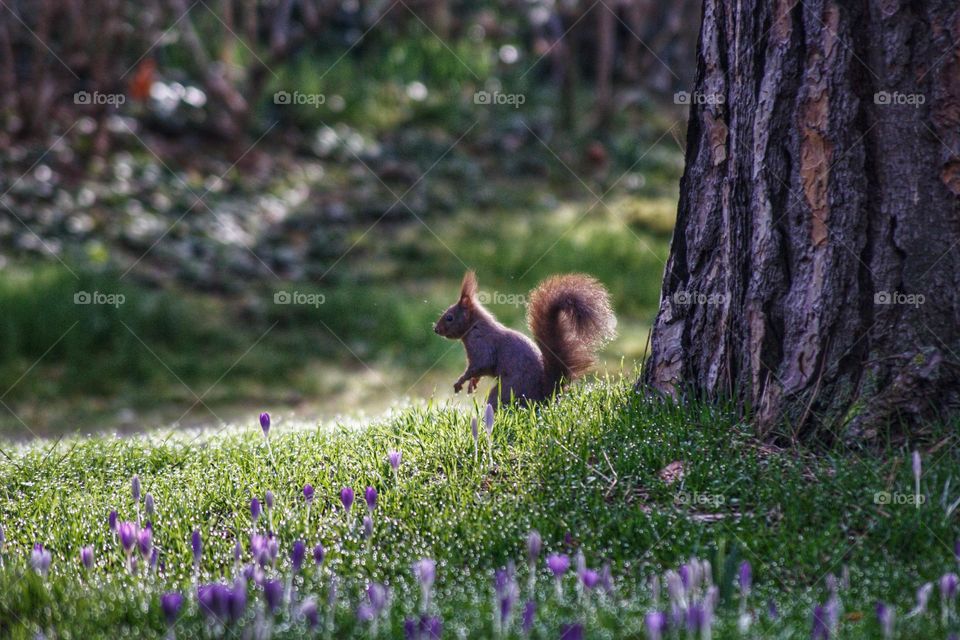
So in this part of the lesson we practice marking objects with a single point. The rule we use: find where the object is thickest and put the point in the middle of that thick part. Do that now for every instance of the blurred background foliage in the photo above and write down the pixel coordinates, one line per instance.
(200, 158)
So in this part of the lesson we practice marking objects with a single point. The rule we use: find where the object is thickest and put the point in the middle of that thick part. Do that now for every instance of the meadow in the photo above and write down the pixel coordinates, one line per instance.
(652, 520)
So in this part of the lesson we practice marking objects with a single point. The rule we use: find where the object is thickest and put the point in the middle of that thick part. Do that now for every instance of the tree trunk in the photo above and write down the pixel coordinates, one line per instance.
(814, 274)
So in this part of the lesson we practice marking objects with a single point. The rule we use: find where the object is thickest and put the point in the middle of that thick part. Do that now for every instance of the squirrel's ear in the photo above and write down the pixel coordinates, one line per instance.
(468, 289)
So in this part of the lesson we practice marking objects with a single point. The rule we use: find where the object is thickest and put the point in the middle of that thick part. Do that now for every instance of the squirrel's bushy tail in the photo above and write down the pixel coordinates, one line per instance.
(570, 318)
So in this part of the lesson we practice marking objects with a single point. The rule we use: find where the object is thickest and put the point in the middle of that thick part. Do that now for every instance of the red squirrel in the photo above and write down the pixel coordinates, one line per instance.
(570, 318)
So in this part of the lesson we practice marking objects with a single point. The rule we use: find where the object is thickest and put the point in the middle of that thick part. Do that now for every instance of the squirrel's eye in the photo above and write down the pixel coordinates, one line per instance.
(449, 317)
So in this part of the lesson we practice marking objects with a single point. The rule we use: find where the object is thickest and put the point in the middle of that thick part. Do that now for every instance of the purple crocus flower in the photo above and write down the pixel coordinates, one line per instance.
(488, 419)
(273, 549)
(265, 423)
(346, 498)
(308, 493)
(534, 545)
(821, 625)
(112, 521)
(40, 559)
(255, 509)
(272, 594)
(145, 542)
(370, 495)
(570, 631)
(297, 555)
(393, 457)
(885, 618)
(696, 618)
(128, 534)
(377, 594)
(431, 628)
(558, 564)
(318, 554)
(772, 612)
(948, 585)
(268, 499)
(684, 572)
(238, 599)
(259, 549)
(474, 431)
(589, 578)
(529, 613)
(507, 592)
(149, 504)
(309, 612)
(170, 603)
(196, 543)
(923, 597)
(367, 527)
(135, 488)
(86, 557)
(425, 571)
(655, 623)
(745, 578)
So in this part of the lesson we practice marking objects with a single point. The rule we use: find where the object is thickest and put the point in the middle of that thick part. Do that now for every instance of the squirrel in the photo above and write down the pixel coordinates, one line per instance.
(570, 318)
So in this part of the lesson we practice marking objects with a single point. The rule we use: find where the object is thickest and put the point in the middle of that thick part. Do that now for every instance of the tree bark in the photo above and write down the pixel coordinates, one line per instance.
(814, 273)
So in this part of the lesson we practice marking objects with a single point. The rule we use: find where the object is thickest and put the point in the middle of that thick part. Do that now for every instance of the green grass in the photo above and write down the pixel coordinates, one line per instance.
(585, 472)
(161, 349)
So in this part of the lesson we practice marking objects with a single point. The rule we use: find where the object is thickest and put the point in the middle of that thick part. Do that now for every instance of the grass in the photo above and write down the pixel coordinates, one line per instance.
(163, 348)
(585, 472)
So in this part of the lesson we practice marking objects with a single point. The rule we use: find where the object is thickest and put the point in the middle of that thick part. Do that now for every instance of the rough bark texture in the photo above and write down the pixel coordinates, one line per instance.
(821, 191)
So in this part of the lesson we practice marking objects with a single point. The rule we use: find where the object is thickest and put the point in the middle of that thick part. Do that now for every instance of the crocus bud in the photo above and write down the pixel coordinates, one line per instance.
(265, 423)
(488, 419)
(917, 465)
(196, 543)
(269, 500)
(40, 559)
(346, 498)
(272, 594)
(145, 542)
(86, 557)
(309, 612)
(254, 509)
(135, 488)
(367, 527)
(170, 603)
(318, 554)
(885, 618)
(112, 520)
(394, 459)
(529, 612)
(425, 571)
(297, 555)
(534, 545)
(655, 623)
(745, 577)
(474, 430)
(308, 493)
(128, 534)
(370, 495)
(148, 502)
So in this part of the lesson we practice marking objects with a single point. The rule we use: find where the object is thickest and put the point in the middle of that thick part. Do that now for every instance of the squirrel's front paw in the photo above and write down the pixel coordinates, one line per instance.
(473, 384)
(457, 386)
